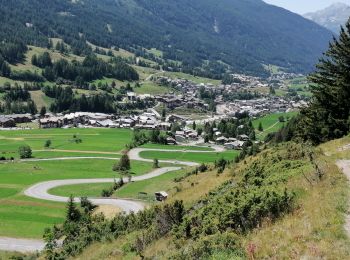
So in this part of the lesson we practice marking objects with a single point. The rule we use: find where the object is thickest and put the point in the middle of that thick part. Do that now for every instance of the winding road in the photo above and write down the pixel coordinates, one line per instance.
(41, 191)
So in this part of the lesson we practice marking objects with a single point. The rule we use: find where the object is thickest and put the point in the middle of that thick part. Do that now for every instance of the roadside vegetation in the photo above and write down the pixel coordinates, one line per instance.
(285, 186)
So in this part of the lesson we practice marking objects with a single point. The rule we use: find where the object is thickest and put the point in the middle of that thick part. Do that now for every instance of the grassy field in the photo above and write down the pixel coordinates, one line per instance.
(40, 99)
(271, 123)
(152, 88)
(192, 157)
(93, 140)
(162, 183)
(21, 216)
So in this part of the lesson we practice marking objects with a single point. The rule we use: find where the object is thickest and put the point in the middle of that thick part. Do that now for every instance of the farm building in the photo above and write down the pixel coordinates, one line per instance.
(161, 195)
(7, 122)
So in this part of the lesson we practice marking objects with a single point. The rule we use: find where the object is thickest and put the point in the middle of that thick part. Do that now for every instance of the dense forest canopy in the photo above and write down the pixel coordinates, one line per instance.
(236, 33)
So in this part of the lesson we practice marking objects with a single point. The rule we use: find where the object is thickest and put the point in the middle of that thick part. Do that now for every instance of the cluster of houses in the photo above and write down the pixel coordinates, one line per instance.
(259, 107)
(230, 143)
(7, 121)
(186, 135)
(241, 83)
(187, 100)
(146, 120)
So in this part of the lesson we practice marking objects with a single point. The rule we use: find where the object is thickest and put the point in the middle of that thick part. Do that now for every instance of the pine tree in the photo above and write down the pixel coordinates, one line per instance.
(73, 214)
(43, 111)
(5, 70)
(34, 60)
(327, 116)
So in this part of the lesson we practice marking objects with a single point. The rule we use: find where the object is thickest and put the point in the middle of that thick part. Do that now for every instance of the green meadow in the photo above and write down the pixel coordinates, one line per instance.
(94, 140)
(21, 216)
(271, 123)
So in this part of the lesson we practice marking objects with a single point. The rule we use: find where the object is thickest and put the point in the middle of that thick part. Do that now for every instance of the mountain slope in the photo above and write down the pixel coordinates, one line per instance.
(242, 34)
(331, 17)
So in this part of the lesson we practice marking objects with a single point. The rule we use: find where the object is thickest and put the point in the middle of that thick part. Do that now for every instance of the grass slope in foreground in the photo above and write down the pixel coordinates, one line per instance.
(207, 157)
(313, 228)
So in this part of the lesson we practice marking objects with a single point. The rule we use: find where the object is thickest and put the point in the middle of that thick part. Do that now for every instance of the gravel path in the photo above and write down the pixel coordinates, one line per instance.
(41, 191)
(344, 165)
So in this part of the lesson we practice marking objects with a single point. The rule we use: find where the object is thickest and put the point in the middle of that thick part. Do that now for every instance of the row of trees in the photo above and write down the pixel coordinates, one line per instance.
(91, 68)
(17, 100)
(141, 137)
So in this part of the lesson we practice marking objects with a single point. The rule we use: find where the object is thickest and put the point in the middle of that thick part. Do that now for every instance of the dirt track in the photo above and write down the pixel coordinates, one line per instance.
(344, 165)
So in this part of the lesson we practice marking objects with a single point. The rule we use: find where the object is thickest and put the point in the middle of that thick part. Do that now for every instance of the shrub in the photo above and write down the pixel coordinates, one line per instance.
(123, 164)
(25, 152)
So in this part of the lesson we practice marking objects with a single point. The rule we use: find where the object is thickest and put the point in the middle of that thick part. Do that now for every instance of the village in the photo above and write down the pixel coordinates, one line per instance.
(186, 94)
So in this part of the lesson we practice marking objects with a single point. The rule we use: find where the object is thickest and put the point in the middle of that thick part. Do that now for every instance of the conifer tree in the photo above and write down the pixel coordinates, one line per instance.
(73, 214)
(327, 116)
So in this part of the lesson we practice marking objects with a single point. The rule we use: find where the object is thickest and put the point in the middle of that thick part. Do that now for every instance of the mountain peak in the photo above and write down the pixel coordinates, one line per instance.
(332, 17)
(338, 5)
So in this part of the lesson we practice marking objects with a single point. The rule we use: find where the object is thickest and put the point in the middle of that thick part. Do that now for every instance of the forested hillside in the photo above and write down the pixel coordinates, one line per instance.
(206, 36)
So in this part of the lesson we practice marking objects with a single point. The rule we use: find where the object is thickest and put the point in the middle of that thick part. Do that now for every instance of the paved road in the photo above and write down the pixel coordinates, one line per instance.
(134, 154)
(344, 165)
(41, 191)
(21, 245)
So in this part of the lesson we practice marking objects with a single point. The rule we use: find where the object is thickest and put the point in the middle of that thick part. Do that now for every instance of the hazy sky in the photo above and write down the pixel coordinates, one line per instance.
(304, 6)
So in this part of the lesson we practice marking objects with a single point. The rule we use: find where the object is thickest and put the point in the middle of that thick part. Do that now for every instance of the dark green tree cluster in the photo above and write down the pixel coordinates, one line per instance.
(17, 100)
(91, 68)
(13, 52)
(42, 60)
(81, 228)
(232, 127)
(17, 93)
(328, 115)
(141, 137)
(5, 69)
(65, 100)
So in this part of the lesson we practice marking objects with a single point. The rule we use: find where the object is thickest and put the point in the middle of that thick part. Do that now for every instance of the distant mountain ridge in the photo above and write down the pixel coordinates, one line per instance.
(331, 17)
(209, 35)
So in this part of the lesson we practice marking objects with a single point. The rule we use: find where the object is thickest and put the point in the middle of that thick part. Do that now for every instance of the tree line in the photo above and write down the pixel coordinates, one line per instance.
(17, 100)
